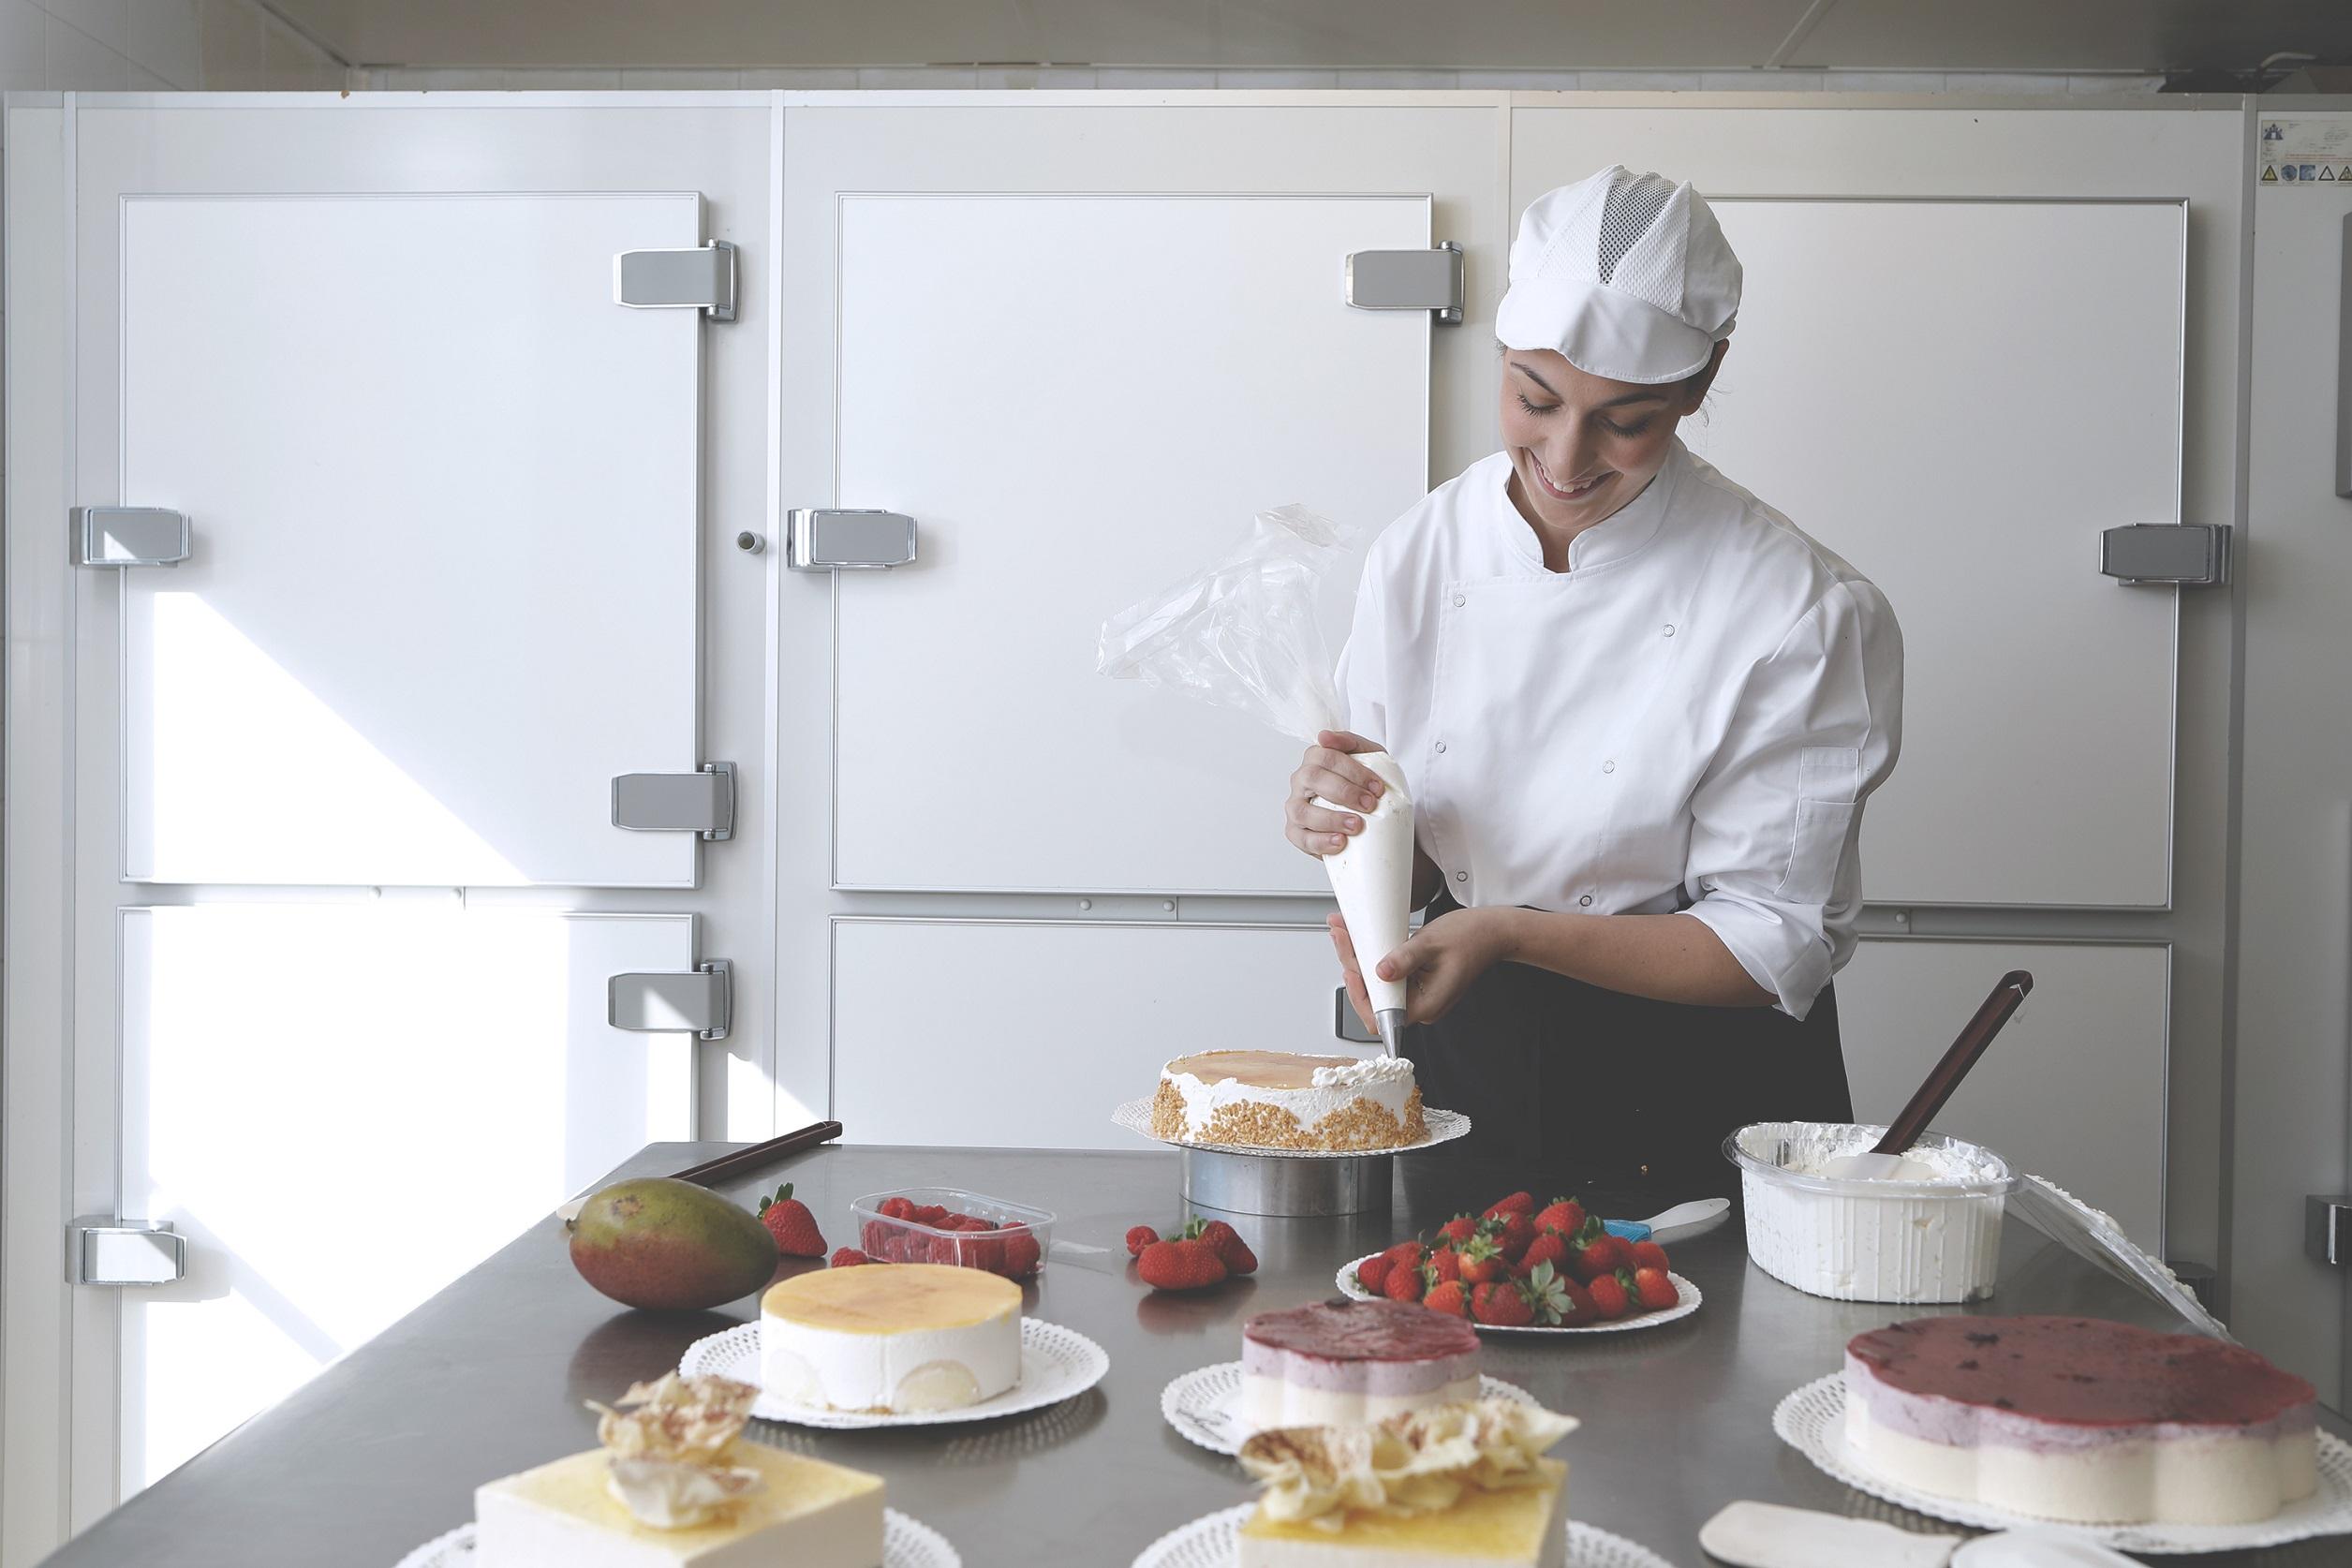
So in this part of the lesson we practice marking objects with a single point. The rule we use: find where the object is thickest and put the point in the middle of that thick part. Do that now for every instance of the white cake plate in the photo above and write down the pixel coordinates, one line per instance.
(1215, 1541)
(1443, 1127)
(1686, 1301)
(906, 1543)
(1056, 1364)
(1201, 1404)
(1812, 1420)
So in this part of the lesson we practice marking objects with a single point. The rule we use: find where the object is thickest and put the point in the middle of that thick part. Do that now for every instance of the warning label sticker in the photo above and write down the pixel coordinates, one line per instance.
(2306, 151)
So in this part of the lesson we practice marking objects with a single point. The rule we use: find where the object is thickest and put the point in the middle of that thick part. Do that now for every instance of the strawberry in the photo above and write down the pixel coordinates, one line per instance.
(1403, 1284)
(794, 1228)
(1407, 1254)
(1517, 1202)
(1561, 1214)
(1547, 1247)
(1580, 1307)
(1648, 1255)
(1547, 1293)
(1448, 1297)
(1604, 1254)
(1482, 1262)
(1512, 1232)
(1021, 1254)
(1459, 1229)
(1502, 1305)
(849, 1257)
(896, 1208)
(1653, 1290)
(1372, 1272)
(1444, 1266)
(1230, 1249)
(1180, 1265)
(1139, 1238)
(1609, 1296)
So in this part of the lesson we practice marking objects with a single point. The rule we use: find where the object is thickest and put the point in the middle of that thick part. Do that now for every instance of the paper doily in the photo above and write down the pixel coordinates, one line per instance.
(1812, 1420)
(1444, 1127)
(1200, 1404)
(1687, 1299)
(1214, 1542)
(1056, 1364)
(906, 1543)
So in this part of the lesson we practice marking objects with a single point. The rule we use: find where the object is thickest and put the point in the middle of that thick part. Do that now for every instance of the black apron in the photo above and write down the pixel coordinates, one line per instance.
(1621, 1092)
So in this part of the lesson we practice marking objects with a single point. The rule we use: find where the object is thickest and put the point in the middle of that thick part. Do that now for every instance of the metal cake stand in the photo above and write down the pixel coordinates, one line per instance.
(1289, 1184)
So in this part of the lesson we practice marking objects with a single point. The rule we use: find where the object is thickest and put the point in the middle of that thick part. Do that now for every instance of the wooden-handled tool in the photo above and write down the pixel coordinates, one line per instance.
(1883, 1163)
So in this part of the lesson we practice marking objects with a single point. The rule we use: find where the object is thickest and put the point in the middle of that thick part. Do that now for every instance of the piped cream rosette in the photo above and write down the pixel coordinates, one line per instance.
(1418, 1462)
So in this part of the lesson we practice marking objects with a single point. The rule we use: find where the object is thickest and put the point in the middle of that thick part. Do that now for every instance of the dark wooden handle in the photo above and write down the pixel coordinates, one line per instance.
(710, 1173)
(1949, 1072)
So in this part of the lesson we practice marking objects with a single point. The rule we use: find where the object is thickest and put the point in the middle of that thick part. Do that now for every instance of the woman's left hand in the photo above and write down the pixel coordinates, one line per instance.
(1436, 963)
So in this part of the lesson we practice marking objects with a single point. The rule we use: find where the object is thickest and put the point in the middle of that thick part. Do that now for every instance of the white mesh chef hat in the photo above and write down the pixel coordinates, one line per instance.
(1626, 275)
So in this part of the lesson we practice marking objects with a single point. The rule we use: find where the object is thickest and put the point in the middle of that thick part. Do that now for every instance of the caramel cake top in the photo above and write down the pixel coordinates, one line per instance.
(1274, 1070)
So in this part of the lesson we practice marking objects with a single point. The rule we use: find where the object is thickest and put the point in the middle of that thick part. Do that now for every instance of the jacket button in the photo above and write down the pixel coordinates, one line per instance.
(1669, 631)
(1441, 746)
(1459, 601)
(1609, 767)
(1464, 876)
(1586, 899)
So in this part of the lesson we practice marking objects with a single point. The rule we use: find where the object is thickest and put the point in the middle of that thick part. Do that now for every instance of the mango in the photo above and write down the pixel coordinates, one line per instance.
(669, 1246)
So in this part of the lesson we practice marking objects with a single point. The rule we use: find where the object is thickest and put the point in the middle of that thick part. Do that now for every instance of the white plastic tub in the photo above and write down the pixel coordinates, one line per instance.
(1902, 1241)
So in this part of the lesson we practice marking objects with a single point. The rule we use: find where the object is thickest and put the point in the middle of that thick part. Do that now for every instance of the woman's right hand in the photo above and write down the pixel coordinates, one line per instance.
(1330, 770)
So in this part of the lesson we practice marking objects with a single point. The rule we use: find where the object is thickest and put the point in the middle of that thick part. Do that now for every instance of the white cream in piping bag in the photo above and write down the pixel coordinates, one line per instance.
(1373, 878)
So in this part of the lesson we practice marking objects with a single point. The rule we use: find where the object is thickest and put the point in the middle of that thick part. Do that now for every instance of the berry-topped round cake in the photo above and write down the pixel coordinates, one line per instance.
(1281, 1099)
(2080, 1419)
(1341, 1361)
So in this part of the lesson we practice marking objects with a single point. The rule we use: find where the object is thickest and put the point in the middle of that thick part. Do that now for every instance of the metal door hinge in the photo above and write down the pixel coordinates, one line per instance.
(702, 802)
(130, 536)
(2192, 555)
(702, 278)
(2328, 1229)
(846, 538)
(109, 1252)
(1430, 280)
(701, 1000)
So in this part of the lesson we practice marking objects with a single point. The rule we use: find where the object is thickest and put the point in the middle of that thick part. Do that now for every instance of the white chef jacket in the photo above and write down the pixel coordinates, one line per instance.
(1687, 718)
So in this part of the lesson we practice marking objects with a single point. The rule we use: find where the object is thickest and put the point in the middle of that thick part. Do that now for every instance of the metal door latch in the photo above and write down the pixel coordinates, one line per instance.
(846, 538)
(130, 536)
(1430, 280)
(701, 1000)
(2328, 1229)
(702, 278)
(702, 802)
(2192, 555)
(110, 1251)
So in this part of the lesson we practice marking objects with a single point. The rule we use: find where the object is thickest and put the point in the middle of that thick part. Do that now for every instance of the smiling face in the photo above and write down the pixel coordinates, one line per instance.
(1582, 446)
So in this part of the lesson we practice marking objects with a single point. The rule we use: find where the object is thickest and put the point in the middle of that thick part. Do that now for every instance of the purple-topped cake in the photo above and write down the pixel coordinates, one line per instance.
(1340, 1362)
(2080, 1419)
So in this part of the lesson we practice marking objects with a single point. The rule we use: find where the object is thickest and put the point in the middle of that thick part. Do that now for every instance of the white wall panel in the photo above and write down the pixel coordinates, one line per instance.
(998, 1035)
(2073, 1088)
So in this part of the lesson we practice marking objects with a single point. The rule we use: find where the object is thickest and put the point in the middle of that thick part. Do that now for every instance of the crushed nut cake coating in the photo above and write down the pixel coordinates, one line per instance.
(1361, 1124)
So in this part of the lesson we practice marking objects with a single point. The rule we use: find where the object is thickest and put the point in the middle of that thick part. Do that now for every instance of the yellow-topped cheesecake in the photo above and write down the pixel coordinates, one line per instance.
(891, 1337)
(673, 1489)
(1458, 1486)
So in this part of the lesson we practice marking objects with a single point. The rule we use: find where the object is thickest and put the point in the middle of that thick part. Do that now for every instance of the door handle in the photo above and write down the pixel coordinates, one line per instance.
(2328, 1229)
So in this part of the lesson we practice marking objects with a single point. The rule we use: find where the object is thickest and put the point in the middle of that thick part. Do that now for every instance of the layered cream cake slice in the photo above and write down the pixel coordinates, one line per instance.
(1342, 1361)
(672, 1487)
(891, 1338)
(1280, 1099)
(2080, 1420)
(1459, 1485)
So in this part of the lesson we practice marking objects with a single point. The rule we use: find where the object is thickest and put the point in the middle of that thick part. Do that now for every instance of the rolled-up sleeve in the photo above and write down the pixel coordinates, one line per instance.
(1775, 867)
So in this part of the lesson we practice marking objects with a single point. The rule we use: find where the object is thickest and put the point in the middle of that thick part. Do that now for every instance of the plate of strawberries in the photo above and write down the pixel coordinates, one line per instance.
(1518, 1267)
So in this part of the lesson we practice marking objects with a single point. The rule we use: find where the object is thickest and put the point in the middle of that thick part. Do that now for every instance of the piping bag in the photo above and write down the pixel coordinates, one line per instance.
(1245, 632)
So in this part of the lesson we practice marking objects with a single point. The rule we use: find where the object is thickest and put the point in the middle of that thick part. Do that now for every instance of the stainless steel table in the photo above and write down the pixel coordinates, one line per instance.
(383, 1451)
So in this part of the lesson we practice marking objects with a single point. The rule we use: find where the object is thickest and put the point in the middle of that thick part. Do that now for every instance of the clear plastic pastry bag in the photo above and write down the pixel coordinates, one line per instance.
(1243, 633)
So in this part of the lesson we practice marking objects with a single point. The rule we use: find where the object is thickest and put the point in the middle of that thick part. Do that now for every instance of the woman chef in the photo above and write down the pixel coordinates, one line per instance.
(1638, 712)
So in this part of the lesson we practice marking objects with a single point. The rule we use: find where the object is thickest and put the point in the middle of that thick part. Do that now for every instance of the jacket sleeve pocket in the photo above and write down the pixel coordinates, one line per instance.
(1828, 779)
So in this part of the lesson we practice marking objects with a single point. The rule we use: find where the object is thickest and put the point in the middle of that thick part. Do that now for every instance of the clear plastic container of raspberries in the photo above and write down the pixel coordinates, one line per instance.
(949, 1225)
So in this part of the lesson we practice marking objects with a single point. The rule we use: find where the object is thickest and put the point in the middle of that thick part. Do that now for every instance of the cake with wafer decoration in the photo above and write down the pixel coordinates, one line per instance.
(1284, 1101)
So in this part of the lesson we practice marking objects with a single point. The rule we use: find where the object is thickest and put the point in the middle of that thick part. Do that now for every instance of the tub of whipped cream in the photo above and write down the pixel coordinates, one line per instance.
(1937, 1239)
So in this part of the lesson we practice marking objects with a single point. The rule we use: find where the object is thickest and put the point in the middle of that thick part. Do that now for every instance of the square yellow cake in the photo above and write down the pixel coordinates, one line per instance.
(808, 1513)
(1521, 1527)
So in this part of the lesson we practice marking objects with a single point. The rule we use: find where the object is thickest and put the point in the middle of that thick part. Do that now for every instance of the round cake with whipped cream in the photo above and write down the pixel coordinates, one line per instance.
(2080, 1419)
(891, 1338)
(1283, 1099)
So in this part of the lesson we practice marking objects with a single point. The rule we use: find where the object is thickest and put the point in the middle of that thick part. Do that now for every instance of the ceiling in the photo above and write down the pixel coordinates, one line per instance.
(2138, 36)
